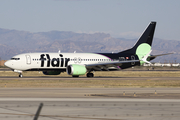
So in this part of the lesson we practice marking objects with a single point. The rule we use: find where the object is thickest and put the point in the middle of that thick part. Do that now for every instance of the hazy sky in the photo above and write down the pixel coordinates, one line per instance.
(120, 18)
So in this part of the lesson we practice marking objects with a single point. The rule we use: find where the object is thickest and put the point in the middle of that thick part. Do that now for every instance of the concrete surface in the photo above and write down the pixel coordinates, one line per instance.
(78, 104)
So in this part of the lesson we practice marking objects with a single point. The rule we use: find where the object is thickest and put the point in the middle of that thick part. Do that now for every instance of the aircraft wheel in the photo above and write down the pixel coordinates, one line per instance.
(90, 75)
(75, 76)
(20, 75)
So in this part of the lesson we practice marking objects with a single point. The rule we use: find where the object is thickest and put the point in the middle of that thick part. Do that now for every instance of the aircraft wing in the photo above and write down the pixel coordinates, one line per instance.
(115, 64)
(107, 65)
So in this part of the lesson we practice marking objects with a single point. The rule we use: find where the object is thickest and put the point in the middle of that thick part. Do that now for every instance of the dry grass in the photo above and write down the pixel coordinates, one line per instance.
(115, 80)
(140, 74)
(104, 74)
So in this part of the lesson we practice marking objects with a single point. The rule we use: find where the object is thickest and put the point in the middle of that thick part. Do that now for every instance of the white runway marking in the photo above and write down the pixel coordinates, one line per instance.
(89, 99)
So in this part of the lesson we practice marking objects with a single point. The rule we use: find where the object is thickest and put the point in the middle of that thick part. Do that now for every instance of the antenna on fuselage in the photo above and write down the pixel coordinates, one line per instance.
(74, 51)
(59, 51)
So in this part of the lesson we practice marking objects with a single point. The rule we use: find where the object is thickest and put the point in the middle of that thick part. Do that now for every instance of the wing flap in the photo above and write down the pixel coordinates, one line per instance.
(107, 65)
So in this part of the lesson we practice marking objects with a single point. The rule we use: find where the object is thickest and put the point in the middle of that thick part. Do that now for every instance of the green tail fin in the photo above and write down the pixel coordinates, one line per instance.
(143, 45)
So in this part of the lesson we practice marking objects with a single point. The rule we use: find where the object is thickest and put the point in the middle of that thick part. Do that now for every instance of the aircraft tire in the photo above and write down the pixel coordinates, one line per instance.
(90, 75)
(20, 75)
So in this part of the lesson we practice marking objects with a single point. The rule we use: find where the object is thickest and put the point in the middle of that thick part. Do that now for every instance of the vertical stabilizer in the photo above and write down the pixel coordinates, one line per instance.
(145, 41)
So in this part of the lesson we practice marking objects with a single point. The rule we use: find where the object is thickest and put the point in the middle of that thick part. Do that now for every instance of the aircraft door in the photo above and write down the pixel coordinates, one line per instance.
(28, 59)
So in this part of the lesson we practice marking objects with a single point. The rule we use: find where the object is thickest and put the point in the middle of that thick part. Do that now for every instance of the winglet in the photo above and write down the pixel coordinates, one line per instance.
(144, 59)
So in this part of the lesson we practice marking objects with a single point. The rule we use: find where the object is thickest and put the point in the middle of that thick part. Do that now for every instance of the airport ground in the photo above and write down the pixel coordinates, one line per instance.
(122, 95)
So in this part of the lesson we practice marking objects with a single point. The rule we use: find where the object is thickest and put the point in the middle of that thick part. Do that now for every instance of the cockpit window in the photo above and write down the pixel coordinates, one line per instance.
(15, 58)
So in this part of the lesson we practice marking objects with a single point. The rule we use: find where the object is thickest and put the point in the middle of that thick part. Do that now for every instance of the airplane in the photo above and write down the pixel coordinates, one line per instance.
(77, 64)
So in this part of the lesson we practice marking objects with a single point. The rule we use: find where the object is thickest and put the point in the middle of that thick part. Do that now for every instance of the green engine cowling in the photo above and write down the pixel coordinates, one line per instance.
(51, 72)
(76, 70)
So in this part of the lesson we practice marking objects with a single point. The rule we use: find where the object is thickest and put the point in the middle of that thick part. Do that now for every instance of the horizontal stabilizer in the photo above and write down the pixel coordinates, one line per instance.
(145, 57)
(154, 56)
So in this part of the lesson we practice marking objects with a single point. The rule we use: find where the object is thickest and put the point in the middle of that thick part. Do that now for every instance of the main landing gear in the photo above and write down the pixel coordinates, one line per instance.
(90, 75)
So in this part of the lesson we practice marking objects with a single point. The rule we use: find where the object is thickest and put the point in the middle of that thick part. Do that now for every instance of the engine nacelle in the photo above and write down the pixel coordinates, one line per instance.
(51, 72)
(76, 70)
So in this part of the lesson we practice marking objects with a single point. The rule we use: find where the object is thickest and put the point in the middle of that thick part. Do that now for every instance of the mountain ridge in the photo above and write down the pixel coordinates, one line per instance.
(13, 42)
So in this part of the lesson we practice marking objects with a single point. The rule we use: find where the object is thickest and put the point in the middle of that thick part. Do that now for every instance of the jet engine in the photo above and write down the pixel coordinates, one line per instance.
(76, 70)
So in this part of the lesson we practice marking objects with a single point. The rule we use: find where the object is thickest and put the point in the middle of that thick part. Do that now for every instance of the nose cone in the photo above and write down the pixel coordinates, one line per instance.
(7, 64)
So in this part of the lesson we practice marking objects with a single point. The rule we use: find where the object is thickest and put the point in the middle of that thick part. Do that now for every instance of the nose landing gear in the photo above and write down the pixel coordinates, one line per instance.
(20, 75)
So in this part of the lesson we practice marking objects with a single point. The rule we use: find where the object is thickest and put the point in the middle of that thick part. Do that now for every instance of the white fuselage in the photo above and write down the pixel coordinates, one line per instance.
(30, 61)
